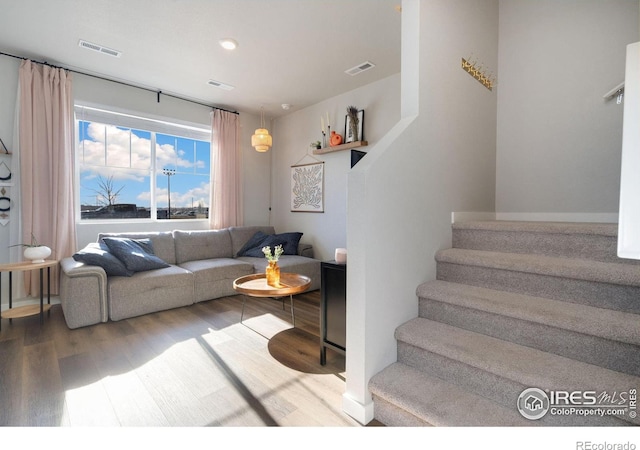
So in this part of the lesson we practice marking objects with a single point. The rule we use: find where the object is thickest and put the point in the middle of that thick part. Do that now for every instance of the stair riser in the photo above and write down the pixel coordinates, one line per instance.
(614, 355)
(521, 342)
(494, 387)
(596, 247)
(601, 295)
(392, 416)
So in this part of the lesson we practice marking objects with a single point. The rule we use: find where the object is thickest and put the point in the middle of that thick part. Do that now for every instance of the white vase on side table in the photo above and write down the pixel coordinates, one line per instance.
(37, 254)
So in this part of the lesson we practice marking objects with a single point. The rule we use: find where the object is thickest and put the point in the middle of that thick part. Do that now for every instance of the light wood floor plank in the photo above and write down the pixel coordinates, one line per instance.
(87, 401)
(130, 400)
(42, 394)
(11, 382)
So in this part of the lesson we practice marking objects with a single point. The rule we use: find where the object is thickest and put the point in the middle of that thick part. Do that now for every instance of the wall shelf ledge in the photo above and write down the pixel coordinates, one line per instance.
(338, 148)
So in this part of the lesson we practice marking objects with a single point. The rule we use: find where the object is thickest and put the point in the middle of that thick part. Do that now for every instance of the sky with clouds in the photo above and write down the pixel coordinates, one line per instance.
(125, 157)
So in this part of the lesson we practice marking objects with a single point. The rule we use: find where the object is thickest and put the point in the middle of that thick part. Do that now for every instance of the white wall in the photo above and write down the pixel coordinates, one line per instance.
(628, 230)
(402, 194)
(8, 91)
(292, 135)
(559, 142)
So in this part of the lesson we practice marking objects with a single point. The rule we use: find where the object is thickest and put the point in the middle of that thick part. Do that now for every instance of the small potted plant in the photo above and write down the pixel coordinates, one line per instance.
(316, 145)
(35, 251)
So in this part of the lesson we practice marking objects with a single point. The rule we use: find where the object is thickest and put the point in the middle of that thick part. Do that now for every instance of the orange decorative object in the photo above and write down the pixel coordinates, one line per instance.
(336, 139)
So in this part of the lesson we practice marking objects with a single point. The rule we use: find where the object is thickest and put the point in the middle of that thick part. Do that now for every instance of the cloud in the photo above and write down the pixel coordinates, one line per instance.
(194, 196)
(114, 151)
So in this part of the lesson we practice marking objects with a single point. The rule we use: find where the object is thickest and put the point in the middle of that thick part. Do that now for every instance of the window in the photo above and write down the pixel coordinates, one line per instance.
(137, 168)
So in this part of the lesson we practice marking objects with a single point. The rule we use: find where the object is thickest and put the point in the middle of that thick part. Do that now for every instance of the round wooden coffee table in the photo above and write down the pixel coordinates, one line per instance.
(255, 285)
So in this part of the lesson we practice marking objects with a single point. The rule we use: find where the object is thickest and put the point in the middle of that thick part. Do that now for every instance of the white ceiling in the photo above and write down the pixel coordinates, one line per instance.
(290, 51)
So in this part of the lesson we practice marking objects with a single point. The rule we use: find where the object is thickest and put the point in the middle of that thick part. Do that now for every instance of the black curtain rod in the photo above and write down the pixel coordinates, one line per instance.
(158, 92)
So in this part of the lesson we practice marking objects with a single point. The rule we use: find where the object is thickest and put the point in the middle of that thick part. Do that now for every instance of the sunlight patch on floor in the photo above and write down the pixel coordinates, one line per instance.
(91, 397)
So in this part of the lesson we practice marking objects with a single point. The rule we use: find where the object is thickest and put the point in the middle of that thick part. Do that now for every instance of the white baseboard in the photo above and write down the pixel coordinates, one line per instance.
(559, 217)
(361, 413)
(465, 216)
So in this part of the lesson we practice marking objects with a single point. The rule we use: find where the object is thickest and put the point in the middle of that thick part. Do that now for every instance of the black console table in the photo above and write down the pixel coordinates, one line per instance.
(333, 308)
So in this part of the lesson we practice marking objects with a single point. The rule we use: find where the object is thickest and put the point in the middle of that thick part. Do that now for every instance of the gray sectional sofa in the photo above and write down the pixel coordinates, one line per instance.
(200, 266)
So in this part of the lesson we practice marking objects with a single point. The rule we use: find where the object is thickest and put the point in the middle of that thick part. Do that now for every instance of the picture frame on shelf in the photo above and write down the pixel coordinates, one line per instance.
(348, 133)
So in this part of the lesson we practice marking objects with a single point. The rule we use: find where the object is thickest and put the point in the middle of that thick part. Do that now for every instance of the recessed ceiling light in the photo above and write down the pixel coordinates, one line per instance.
(228, 43)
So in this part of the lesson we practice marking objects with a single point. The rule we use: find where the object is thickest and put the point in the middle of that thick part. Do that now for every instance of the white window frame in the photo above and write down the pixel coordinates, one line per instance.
(89, 113)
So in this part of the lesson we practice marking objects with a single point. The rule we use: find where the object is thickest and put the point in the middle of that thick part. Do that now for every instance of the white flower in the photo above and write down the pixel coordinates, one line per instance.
(277, 252)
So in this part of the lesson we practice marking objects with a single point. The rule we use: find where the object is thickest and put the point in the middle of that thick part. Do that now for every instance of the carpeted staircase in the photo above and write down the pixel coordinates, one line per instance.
(517, 305)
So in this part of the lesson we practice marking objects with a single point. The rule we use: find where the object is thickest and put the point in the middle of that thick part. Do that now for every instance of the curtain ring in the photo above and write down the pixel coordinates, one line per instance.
(8, 207)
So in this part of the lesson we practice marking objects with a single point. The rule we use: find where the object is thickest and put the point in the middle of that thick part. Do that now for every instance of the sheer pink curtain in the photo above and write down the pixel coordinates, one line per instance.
(46, 163)
(226, 169)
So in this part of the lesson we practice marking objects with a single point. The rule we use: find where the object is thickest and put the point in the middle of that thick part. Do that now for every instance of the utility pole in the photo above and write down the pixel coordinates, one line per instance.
(169, 173)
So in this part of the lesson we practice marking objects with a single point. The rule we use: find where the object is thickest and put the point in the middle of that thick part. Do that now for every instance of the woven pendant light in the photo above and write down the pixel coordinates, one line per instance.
(261, 139)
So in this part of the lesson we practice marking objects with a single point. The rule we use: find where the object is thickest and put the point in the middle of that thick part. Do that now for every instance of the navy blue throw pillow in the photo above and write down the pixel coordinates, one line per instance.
(253, 247)
(253, 243)
(97, 254)
(270, 240)
(136, 254)
(290, 242)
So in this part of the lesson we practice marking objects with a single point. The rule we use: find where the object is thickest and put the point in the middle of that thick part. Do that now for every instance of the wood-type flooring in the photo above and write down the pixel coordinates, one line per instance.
(194, 366)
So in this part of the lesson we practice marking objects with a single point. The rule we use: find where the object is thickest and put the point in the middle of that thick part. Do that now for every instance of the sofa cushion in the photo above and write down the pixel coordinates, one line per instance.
(97, 254)
(214, 277)
(202, 244)
(149, 291)
(207, 270)
(136, 254)
(253, 247)
(162, 241)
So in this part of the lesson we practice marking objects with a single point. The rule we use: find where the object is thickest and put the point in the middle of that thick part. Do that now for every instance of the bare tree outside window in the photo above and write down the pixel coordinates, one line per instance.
(107, 193)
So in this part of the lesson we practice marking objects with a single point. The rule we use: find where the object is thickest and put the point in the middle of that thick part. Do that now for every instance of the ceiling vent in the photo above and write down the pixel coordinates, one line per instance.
(226, 87)
(360, 68)
(99, 49)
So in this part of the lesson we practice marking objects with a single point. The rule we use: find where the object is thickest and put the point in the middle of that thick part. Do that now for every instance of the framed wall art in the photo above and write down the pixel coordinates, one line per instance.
(354, 129)
(307, 187)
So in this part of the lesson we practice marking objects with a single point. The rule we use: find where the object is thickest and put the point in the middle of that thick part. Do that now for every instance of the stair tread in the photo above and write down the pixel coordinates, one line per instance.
(580, 269)
(603, 229)
(438, 402)
(605, 323)
(528, 366)
(471, 378)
